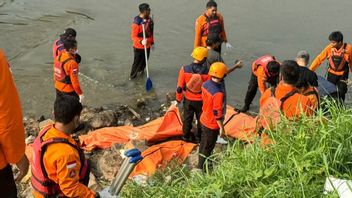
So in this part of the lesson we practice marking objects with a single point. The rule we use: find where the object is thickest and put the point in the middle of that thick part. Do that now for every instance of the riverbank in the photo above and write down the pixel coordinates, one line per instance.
(105, 163)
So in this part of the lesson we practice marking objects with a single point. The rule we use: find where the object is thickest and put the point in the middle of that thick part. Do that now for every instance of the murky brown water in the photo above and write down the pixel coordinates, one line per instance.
(254, 27)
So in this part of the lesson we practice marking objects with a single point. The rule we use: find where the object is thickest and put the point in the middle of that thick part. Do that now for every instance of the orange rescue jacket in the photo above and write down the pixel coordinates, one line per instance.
(66, 74)
(338, 59)
(137, 32)
(293, 106)
(12, 136)
(62, 164)
(260, 70)
(202, 29)
(214, 103)
(185, 75)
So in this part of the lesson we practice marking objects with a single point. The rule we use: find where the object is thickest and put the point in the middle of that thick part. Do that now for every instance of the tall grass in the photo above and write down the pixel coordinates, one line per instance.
(304, 154)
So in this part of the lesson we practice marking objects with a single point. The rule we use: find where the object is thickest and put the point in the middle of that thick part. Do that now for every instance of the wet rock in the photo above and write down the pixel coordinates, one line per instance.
(88, 114)
(140, 145)
(30, 139)
(109, 163)
(31, 127)
(93, 183)
(128, 122)
(103, 119)
(141, 102)
(170, 96)
(117, 147)
(120, 122)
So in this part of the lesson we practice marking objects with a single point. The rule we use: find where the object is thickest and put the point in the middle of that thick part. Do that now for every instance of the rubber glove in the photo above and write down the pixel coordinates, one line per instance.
(144, 42)
(81, 98)
(228, 46)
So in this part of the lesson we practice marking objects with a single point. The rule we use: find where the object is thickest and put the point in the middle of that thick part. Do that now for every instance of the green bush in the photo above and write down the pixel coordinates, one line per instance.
(305, 152)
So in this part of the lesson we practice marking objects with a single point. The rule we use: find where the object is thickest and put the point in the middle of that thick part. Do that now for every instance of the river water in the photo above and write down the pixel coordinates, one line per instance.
(254, 27)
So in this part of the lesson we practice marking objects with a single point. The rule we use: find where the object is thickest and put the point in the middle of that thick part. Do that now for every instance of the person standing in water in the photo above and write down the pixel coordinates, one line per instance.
(210, 23)
(139, 42)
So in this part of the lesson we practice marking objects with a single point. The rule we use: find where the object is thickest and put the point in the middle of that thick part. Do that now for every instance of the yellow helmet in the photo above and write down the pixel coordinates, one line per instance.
(199, 53)
(218, 70)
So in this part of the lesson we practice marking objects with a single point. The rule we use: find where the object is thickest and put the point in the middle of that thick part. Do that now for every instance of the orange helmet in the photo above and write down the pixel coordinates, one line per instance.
(218, 70)
(199, 53)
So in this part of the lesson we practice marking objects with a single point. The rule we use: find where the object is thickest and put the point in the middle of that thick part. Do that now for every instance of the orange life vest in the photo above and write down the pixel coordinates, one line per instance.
(263, 61)
(337, 60)
(59, 71)
(57, 47)
(148, 25)
(40, 181)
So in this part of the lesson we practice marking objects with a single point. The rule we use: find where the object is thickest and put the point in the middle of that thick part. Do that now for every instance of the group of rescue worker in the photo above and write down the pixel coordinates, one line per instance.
(201, 84)
(59, 168)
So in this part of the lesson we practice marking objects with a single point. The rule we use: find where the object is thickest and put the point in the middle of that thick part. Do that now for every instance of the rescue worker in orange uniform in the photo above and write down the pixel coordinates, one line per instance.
(59, 167)
(189, 88)
(12, 136)
(213, 111)
(210, 23)
(265, 70)
(339, 56)
(143, 18)
(66, 72)
(308, 80)
(293, 103)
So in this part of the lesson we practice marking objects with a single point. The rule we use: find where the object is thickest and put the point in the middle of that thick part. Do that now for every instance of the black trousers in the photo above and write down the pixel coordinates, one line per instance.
(191, 108)
(138, 65)
(60, 93)
(7, 183)
(207, 144)
(253, 87)
(341, 86)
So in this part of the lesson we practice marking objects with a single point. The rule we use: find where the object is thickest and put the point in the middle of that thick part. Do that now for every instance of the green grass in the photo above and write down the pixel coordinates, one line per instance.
(305, 153)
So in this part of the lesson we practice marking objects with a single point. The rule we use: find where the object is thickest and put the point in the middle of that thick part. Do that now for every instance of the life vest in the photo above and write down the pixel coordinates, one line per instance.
(148, 25)
(337, 60)
(269, 112)
(263, 62)
(40, 181)
(212, 27)
(59, 71)
(56, 48)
